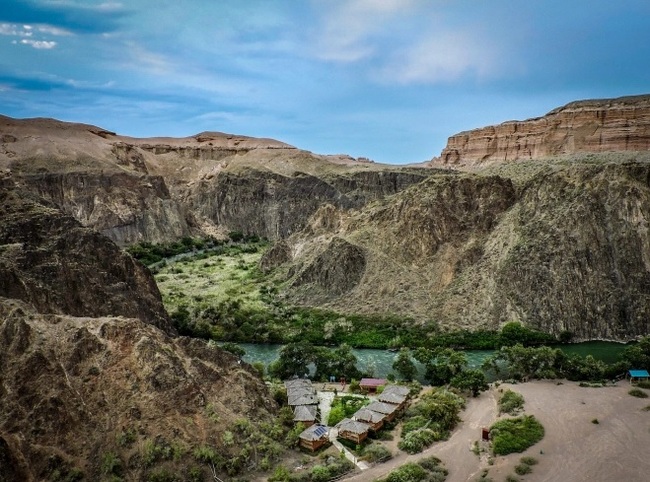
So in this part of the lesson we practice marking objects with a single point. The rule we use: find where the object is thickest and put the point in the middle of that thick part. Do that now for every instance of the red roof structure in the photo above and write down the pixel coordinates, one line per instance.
(371, 384)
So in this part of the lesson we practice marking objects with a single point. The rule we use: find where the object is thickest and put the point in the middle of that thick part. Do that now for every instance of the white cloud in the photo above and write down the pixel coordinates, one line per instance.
(347, 26)
(444, 56)
(52, 30)
(15, 30)
(39, 44)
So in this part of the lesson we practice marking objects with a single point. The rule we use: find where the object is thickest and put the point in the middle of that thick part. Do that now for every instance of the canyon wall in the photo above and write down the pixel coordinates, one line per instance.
(607, 125)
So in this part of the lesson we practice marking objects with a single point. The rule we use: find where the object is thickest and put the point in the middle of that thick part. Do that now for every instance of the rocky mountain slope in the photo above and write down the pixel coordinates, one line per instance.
(561, 247)
(91, 382)
(607, 125)
(161, 189)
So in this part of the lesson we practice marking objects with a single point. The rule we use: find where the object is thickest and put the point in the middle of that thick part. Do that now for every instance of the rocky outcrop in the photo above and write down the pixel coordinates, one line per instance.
(102, 397)
(162, 189)
(50, 261)
(565, 247)
(607, 125)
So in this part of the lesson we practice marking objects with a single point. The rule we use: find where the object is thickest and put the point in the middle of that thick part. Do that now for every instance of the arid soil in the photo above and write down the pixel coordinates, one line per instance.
(573, 448)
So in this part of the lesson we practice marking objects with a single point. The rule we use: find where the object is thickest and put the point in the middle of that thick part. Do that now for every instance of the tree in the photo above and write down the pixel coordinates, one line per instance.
(472, 380)
(294, 360)
(404, 366)
(441, 364)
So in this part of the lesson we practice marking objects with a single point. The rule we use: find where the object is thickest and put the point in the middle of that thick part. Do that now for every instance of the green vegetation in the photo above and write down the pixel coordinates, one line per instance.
(404, 366)
(636, 392)
(345, 407)
(515, 434)
(331, 469)
(425, 470)
(528, 460)
(511, 402)
(430, 419)
(376, 453)
(295, 359)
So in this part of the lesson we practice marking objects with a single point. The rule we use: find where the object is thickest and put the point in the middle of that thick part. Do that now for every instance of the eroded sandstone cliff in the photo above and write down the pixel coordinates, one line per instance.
(607, 125)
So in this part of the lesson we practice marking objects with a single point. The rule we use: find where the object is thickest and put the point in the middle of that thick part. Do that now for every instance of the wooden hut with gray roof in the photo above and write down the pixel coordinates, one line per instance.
(353, 430)
(314, 437)
(387, 409)
(374, 419)
(305, 414)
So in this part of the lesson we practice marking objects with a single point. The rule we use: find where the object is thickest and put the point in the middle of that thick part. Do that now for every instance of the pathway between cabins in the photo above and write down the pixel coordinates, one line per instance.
(456, 452)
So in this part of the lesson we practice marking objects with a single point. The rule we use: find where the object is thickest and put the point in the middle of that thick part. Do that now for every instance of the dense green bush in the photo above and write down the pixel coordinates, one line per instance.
(515, 434)
(416, 441)
(376, 453)
(425, 470)
(345, 407)
(511, 402)
(636, 392)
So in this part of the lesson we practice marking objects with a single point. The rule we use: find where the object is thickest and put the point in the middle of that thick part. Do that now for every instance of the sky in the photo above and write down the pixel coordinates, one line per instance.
(389, 80)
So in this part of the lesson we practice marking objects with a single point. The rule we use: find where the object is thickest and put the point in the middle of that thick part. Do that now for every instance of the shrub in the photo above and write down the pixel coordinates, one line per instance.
(636, 392)
(511, 402)
(111, 464)
(644, 384)
(407, 473)
(416, 441)
(376, 453)
(515, 434)
(528, 460)
(523, 469)
(595, 421)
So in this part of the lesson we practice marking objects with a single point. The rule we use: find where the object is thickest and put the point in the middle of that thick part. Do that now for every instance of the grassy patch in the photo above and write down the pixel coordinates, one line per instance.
(636, 392)
(429, 469)
(515, 434)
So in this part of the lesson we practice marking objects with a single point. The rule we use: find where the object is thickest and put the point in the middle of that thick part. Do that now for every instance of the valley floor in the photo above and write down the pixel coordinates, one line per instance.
(573, 449)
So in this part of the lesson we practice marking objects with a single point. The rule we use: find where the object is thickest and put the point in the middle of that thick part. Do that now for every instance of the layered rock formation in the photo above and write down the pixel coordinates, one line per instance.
(563, 247)
(162, 189)
(607, 125)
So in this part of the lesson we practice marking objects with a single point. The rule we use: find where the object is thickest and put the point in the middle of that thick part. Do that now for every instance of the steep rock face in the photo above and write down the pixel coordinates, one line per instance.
(73, 390)
(161, 189)
(608, 125)
(335, 271)
(276, 205)
(50, 261)
(566, 248)
(123, 207)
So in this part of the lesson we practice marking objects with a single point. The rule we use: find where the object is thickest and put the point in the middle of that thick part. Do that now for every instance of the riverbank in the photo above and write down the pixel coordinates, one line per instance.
(574, 447)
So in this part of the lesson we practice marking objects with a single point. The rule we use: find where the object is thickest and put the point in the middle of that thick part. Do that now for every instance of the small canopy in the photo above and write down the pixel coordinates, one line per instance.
(639, 373)
(315, 432)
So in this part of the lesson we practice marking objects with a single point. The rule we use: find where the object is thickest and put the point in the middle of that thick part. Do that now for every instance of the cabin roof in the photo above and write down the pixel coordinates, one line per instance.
(315, 432)
(391, 397)
(348, 425)
(304, 413)
(398, 389)
(365, 415)
(372, 382)
(381, 407)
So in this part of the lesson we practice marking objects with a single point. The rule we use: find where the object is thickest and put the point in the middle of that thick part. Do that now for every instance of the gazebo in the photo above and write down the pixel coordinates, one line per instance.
(638, 375)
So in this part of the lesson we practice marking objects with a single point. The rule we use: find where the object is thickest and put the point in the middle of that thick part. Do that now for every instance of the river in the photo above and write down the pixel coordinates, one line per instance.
(379, 362)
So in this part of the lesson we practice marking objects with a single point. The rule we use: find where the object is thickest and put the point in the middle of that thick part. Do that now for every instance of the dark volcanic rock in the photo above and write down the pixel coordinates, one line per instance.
(49, 260)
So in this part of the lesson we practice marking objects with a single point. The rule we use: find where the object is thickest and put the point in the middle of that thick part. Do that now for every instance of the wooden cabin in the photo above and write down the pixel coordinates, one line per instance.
(393, 398)
(374, 419)
(353, 430)
(387, 409)
(370, 384)
(314, 437)
(305, 414)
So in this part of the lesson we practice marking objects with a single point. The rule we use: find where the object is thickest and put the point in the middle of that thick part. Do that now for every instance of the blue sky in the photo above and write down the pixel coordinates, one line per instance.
(385, 79)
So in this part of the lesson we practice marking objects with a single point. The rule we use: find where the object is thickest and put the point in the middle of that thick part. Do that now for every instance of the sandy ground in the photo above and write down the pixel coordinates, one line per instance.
(573, 448)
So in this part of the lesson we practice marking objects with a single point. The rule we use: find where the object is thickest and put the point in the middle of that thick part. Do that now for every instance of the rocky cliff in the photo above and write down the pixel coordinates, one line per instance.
(93, 385)
(563, 247)
(607, 125)
(161, 189)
